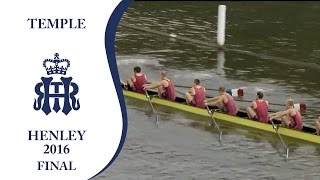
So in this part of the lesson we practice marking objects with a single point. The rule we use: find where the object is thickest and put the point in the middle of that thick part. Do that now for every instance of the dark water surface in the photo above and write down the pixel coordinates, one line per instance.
(285, 32)
(181, 147)
(270, 46)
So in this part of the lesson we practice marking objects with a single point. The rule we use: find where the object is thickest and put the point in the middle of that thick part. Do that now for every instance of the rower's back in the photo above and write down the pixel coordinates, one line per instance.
(262, 108)
(140, 81)
(200, 96)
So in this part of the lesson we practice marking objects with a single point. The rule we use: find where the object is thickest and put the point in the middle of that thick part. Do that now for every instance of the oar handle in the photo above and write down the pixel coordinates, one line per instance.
(208, 110)
(275, 127)
(147, 95)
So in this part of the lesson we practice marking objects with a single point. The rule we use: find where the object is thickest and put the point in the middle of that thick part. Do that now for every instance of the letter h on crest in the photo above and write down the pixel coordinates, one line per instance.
(56, 66)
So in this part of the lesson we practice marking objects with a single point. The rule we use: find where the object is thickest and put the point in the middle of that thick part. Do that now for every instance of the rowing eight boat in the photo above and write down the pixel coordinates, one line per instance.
(307, 133)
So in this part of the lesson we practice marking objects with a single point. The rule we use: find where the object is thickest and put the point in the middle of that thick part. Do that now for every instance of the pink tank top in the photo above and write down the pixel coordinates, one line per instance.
(230, 107)
(296, 121)
(199, 97)
(262, 111)
(140, 80)
(170, 93)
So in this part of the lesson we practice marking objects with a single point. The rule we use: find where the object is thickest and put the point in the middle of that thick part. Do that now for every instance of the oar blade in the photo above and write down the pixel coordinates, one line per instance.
(235, 92)
(220, 137)
(300, 107)
(287, 153)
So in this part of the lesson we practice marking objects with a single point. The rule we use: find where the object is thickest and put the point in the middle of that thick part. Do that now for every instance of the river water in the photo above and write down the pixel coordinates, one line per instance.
(270, 46)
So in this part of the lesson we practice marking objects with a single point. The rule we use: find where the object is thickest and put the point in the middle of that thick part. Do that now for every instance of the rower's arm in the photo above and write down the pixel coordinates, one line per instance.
(253, 105)
(220, 99)
(216, 102)
(274, 114)
(123, 82)
(211, 99)
(153, 85)
(192, 91)
(280, 114)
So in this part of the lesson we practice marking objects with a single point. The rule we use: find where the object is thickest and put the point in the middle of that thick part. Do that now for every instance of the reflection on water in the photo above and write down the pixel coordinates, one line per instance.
(220, 63)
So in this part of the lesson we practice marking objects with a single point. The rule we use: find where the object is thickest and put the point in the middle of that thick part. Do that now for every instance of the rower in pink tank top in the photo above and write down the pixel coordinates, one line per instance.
(138, 84)
(296, 121)
(199, 97)
(262, 111)
(164, 92)
(230, 107)
(170, 93)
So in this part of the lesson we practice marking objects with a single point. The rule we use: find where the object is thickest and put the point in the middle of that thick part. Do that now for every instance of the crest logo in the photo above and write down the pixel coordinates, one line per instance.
(56, 67)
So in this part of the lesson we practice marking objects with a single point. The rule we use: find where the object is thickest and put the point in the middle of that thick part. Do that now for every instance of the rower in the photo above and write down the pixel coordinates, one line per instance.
(165, 87)
(224, 101)
(318, 125)
(196, 95)
(258, 109)
(291, 118)
(136, 81)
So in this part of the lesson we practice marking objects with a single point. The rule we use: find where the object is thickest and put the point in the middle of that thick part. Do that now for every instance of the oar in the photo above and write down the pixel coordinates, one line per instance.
(301, 106)
(216, 125)
(154, 111)
(276, 129)
(190, 87)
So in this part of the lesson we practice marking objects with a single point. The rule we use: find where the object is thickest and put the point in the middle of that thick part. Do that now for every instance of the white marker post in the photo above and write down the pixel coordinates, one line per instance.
(221, 26)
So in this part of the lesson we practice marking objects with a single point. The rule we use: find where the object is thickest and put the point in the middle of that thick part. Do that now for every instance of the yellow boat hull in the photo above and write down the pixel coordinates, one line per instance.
(228, 118)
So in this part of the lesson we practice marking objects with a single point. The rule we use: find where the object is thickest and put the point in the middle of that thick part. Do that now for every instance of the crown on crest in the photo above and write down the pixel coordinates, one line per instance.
(56, 65)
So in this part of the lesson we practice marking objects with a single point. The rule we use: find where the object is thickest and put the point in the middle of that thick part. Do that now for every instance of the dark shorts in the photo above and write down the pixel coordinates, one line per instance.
(256, 118)
(291, 125)
(225, 110)
(164, 95)
(193, 102)
(228, 112)
(131, 88)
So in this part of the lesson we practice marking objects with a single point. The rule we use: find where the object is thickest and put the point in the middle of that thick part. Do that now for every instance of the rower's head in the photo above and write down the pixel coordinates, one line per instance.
(196, 82)
(290, 103)
(259, 95)
(137, 69)
(164, 75)
(222, 89)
